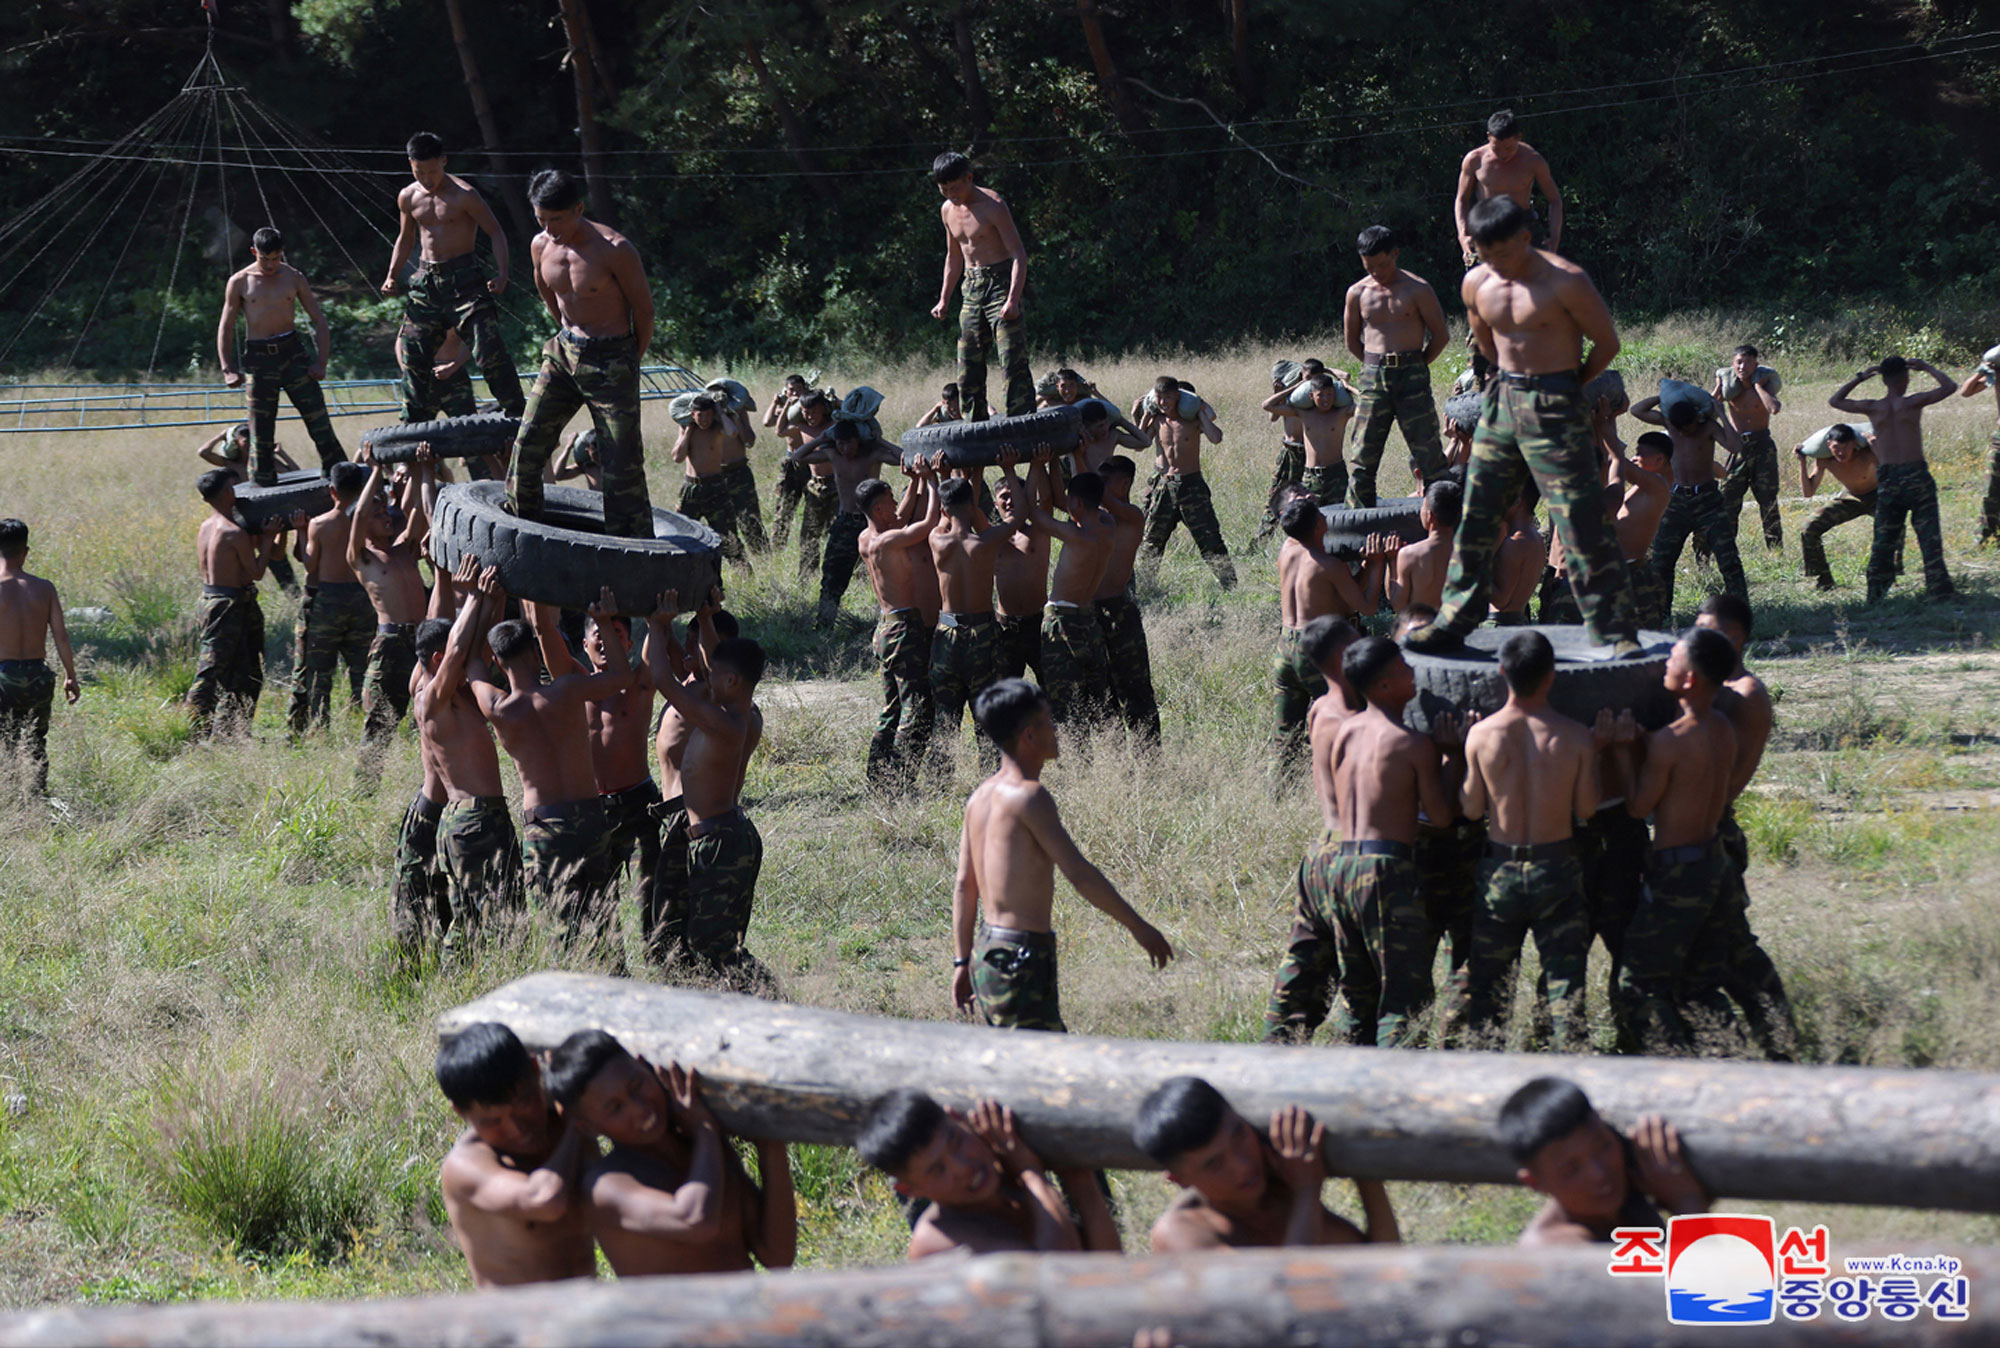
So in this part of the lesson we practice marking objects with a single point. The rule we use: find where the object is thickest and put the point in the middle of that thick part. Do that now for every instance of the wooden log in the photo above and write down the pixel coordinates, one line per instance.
(1919, 1139)
(1380, 1295)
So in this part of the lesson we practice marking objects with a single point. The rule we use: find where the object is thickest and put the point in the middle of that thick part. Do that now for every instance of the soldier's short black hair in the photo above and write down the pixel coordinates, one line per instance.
(1712, 654)
(1446, 502)
(1366, 661)
(951, 389)
(1842, 432)
(704, 403)
(955, 493)
(1321, 380)
(814, 399)
(1312, 365)
(1093, 411)
(211, 483)
(577, 1060)
(1659, 442)
(1503, 124)
(725, 624)
(1004, 708)
(1547, 1109)
(846, 430)
(868, 493)
(897, 1127)
(1747, 350)
(1323, 636)
(347, 480)
(554, 190)
(268, 240)
(432, 634)
(1497, 219)
(1066, 373)
(949, 167)
(1733, 609)
(1894, 367)
(483, 1064)
(1166, 392)
(1118, 466)
(1087, 488)
(425, 145)
(1376, 239)
(1683, 415)
(1526, 658)
(1183, 1114)
(510, 638)
(13, 537)
(1297, 516)
(741, 654)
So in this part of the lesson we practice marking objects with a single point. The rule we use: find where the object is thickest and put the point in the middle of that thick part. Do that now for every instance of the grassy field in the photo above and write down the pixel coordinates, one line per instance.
(217, 1078)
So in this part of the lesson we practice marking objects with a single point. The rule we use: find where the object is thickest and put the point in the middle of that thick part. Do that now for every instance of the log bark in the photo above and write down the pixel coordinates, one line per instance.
(1917, 1139)
(1255, 1299)
(582, 70)
(489, 126)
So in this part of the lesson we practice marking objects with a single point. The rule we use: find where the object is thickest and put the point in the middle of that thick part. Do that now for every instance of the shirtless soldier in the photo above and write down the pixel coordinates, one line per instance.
(1595, 1179)
(965, 549)
(1976, 383)
(592, 284)
(1696, 505)
(1395, 328)
(1239, 1190)
(1012, 843)
(718, 487)
(1290, 467)
(1075, 666)
(1313, 583)
(338, 619)
(1128, 660)
(671, 1197)
(231, 672)
(983, 1190)
(903, 730)
(442, 217)
(1754, 469)
(1534, 771)
(383, 546)
(1178, 493)
(852, 460)
(1323, 428)
(1851, 460)
(267, 293)
(510, 1181)
(982, 246)
(1505, 166)
(664, 909)
(1530, 313)
(31, 615)
(1021, 578)
(1905, 488)
(1418, 574)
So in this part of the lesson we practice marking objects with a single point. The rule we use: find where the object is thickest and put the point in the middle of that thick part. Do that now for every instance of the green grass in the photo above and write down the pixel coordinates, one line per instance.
(224, 1071)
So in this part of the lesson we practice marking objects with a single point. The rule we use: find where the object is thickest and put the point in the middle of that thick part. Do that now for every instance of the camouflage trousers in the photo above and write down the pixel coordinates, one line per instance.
(601, 374)
(1675, 949)
(230, 676)
(1014, 980)
(1295, 682)
(1838, 511)
(1290, 468)
(1395, 395)
(1688, 512)
(843, 554)
(1448, 861)
(1359, 924)
(632, 832)
(27, 701)
(785, 497)
(566, 856)
(1076, 667)
(1542, 430)
(963, 650)
(726, 501)
(903, 729)
(1906, 492)
(663, 908)
(1556, 602)
(818, 504)
(1020, 649)
(339, 625)
(1754, 471)
(283, 364)
(981, 329)
(1747, 976)
(445, 297)
(385, 690)
(1542, 898)
(1183, 498)
(482, 861)
(420, 902)
(454, 399)
(1129, 664)
(724, 856)
(1326, 481)
(1989, 507)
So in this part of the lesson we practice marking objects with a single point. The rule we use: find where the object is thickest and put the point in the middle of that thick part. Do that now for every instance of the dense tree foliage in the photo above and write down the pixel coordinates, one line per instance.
(1185, 171)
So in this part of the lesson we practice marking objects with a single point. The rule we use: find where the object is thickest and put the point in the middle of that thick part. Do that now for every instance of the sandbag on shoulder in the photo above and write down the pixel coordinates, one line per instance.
(1302, 396)
(1675, 392)
(1732, 387)
(1189, 405)
(861, 406)
(1610, 384)
(1816, 446)
(1286, 373)
(1990, 362)
(732, 395)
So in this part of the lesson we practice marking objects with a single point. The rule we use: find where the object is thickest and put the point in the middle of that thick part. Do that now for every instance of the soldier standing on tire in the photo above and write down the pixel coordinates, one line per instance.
(1395, 328)
(982, 245)
(267, 293)
(592, 283)
(447, 293)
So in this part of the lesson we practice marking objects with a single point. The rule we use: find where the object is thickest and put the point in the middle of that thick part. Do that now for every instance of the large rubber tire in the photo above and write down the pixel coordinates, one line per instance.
(1469, 680)
(1462, 409)
(450, 437)
(977, 444)
(564, 557)
(304, 490)
(1347, 529)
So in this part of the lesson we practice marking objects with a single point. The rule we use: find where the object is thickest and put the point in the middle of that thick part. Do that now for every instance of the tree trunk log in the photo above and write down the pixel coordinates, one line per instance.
(1248, 88)
(596, 185)
(788, 118)
(508, 184)
(1332, 1298)
(1917, 1139)
(1129, 120)
(978, 109)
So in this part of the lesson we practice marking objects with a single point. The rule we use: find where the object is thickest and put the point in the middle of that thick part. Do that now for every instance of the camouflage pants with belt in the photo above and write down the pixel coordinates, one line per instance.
(663, 912)
(981, 329)
(1838, 511)
(903, 729)
(1754, 471)
(1676, 948)
(963, 651)
(1129, 665)
(482, 861)
(1290, 468)
(1076, 667)
(601, 374)
(1326, 481)
(632, 826)
(843, 554)
(1689, 512)
(722, 870)
(1448, 861)
(420, 902)
(339, 625)
(284, 365)
(569, 867)
(1296, 682)
(27, 700)
(385, 689)
(1359, 924)
(447, 297)
(1020, 648)
(1518, 899)
(1747, 976)
(727, 502)
(1906, 491)
(1541, 432)
(230, 675)
(1014, 980)
(1183, 498)
(1395, 395)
